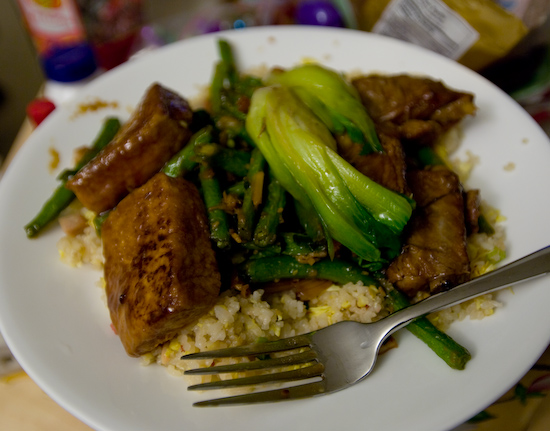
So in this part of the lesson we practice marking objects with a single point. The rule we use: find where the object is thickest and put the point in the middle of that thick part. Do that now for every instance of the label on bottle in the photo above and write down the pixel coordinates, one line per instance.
(53, 22)
(427, 23)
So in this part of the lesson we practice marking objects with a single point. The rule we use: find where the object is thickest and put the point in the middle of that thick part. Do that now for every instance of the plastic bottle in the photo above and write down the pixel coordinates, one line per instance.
(59, 36)
(113, 28)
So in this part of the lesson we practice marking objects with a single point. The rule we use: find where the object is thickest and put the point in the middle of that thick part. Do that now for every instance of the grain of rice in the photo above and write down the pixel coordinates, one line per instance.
(82, 249)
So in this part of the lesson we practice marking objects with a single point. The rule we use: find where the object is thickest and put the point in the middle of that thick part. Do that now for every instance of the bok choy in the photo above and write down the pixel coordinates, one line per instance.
(333, 100)
(301, 152)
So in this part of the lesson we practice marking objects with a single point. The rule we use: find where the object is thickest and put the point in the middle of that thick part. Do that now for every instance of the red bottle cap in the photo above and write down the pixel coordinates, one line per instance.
(39, 109)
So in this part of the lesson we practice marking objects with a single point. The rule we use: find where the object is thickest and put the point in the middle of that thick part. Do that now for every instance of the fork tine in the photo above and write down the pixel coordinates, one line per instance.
(254, 349)
(314, 370)
(294, 359)
(292, 393)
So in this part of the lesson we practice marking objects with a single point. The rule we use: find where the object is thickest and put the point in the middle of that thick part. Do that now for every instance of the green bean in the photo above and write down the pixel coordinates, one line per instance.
(219, 229)
(341, 272)
(230, 108)
(59, 200)
(226, 54)
(235, 128)
(271, 216)
(233, 161)
(182, 162)
(221, 98)
(279, 267)
(296, 244)
(98, 221)
(186, 159)
(247, 214)
(228, 91)
(239, 85)
(248, 84)
(216, 88)
(109, 130)
(273, 250)
(237, 189)
(455, 355)
(62, 197)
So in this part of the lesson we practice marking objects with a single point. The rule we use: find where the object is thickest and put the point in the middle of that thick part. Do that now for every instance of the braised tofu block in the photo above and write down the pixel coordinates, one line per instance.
(158, 128)
(160, 269)
(434, 257)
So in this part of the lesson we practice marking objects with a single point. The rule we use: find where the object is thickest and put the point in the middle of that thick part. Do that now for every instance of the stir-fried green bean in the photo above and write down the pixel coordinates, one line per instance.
(219, 229)
(233, 161)
(281, 267)
(230, 93)
(98, 221)
(237, 189)
(288, 136)
(62, 197)
(227, 59)
(356, 211)
(271, 216)
(342, 272)
(455, 355)
(186, 159)
(216, 88)
(253, 185)
(300, 245)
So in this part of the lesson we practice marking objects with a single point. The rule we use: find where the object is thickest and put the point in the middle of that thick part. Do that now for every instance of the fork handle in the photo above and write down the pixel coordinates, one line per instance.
(533, 265)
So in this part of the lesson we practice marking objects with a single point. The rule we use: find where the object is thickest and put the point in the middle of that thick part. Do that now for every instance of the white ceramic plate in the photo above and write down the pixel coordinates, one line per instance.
(54, 319)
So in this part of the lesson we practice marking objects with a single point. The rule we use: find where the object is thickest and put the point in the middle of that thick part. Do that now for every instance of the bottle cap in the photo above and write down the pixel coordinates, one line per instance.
(38, 109)
(69, 64)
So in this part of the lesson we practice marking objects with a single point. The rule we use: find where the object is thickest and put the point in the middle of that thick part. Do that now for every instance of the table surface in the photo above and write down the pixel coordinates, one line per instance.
(25, 407)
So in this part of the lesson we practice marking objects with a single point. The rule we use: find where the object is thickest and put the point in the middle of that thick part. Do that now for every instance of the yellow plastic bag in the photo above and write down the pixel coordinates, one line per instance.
(473, 32)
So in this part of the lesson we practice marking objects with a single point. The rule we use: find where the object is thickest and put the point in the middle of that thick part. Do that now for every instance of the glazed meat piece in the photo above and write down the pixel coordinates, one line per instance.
(434, 256)
(387, 168)
(158, 128)
(160, 269)
(413, 108)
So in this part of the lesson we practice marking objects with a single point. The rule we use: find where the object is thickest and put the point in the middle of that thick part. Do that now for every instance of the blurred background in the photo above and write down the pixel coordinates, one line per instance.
(505, 40)
(21, 73)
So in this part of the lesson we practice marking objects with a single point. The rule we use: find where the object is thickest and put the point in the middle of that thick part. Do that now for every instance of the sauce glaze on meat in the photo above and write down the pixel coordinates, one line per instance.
(411, 112)
(157, 129)
(160, 269)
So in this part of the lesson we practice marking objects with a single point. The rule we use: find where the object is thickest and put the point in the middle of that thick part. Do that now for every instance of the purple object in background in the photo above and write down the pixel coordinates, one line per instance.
(317, 12)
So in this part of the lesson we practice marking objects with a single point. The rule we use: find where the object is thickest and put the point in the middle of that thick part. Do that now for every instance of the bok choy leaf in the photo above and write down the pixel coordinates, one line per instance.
(333, 100)
(301, 152)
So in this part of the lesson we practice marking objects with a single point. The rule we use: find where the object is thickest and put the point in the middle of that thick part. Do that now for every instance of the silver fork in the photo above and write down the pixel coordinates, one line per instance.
(340, 355)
